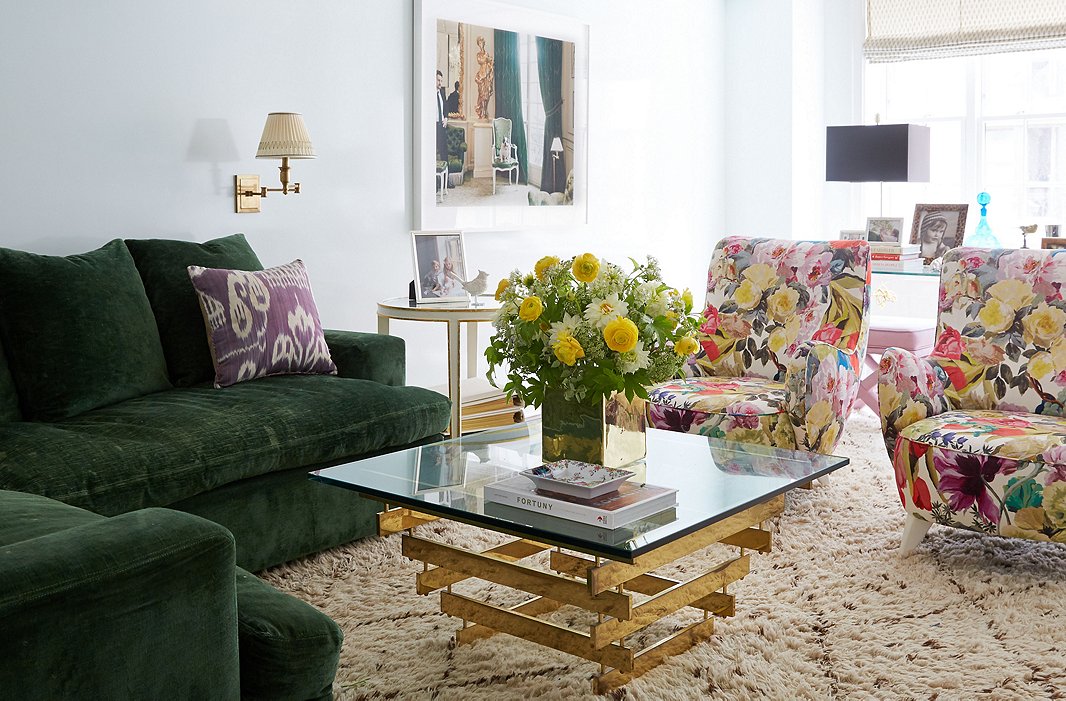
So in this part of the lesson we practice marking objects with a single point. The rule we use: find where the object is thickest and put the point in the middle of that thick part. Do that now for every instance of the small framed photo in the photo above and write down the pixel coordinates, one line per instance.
(884, 229)
(937, 228)
(852, 234)
(440, 266)
(440, 467)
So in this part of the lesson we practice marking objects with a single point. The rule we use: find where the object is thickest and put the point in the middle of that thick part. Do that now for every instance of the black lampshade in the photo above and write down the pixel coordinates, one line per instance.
(890, 153)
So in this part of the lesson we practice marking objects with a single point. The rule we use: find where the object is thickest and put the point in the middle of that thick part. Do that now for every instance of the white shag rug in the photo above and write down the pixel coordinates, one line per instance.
(832, 612)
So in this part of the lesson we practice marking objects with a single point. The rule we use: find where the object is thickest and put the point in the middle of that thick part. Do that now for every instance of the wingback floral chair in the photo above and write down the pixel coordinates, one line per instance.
(975, 432)
(783, 339)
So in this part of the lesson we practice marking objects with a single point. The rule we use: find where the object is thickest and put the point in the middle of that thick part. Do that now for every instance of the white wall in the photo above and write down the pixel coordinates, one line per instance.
(129, 119)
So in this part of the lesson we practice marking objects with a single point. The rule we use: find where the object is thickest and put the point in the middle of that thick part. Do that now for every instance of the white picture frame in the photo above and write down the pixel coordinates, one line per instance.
(884, 230)
(853, 234)
(482, 18)
(439, 263)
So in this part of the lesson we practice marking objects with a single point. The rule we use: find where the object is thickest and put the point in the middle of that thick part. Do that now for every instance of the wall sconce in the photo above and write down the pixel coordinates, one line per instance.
(284, 137)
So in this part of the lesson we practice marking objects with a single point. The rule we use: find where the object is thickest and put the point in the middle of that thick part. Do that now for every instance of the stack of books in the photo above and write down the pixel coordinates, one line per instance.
(893, 255)
(630, 503)
(484, 406)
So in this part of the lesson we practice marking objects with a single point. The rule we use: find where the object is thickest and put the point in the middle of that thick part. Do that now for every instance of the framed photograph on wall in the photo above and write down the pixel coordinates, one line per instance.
(501, 116)
(439, 266)
(884, 229)
(937, 228)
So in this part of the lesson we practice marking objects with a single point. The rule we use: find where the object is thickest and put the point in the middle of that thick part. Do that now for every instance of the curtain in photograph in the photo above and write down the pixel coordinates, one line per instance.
(507, 74)
(550, 70)
(903, 30)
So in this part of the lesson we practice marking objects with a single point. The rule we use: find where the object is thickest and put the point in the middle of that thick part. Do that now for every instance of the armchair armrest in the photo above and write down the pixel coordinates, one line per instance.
(822, 382)
(141, 604)
(909, 389)
(368, 356)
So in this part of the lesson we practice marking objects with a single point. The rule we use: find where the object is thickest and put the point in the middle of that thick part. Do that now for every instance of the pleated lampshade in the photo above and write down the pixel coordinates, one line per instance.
(285, 136)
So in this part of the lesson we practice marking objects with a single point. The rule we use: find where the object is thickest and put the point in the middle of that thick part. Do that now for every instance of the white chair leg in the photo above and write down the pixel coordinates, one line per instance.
(913, 533)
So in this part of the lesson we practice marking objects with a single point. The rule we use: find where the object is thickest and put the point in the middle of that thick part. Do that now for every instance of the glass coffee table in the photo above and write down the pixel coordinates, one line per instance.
(726, 491)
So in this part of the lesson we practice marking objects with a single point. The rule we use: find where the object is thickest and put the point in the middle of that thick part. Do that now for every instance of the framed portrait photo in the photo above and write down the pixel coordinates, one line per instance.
(490, 151)
(937, 228)
(440, 266)
(884, 229)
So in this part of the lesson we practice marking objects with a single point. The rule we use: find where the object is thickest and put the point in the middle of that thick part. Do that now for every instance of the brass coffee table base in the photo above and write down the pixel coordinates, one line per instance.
(603, 587)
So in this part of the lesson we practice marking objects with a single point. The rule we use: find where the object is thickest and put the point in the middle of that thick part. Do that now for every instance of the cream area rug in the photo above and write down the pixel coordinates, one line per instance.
(832, 612)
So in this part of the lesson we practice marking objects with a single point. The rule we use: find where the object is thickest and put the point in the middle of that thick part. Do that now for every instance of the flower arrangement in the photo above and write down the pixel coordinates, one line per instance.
(585, 326)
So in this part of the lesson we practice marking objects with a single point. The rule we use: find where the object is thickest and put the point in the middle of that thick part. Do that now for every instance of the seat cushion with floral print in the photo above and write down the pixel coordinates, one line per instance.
(1000, 472)
(745, 409)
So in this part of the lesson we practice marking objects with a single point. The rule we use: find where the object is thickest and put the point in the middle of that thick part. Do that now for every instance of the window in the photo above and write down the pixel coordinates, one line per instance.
(534, 107)
(997, 123)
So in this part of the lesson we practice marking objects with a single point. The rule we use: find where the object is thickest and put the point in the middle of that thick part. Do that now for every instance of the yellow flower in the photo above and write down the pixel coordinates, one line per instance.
(531, 308)
(541, 268)
(568, 350)
(1058, 353)
(819, 415)
(747, 295)
(997, 316)
(762, 275)
(1055, 504)
(912, 413)
(501, 287)
(778, 339)
(586, 267)
(686, 297)
(1016, 293)
(1041, 365)
(1043, 325)
(781, 305)
(888, 398)
(1031, 518)
(686, 346)
(621, 335)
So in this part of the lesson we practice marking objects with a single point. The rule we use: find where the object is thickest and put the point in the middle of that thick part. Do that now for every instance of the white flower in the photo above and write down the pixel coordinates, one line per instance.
(507, 309)
(601, 311)
(636, 359)
(566, 327)
(658, 306)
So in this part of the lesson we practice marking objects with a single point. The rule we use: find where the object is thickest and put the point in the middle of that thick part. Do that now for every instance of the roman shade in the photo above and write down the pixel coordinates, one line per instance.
(902, 30)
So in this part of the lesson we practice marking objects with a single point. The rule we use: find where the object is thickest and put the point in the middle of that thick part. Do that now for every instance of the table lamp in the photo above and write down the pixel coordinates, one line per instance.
(882, 153)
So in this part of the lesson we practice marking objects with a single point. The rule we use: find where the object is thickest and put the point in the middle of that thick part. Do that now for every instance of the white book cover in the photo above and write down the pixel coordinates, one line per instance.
(630, 503)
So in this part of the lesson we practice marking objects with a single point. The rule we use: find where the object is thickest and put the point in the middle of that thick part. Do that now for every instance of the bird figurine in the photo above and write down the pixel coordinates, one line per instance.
(1026, 230)
(474, 287)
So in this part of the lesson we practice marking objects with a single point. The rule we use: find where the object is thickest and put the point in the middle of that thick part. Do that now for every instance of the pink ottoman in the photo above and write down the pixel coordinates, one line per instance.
(915, 335)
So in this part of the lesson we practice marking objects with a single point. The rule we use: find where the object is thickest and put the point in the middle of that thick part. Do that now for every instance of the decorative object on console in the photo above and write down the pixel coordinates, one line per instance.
(261, 323)
(575, 332)
(284, 136)
(982, 237)
(937, 228)
(881, 153)
(475, 286)
(440, 266)
(1051, 230)
(884, 229)
(577, 479)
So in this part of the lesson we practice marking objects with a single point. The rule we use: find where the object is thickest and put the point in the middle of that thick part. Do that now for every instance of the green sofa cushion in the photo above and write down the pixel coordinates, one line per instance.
(162, 264)
(165, 447)
(9, 396)
(25, 516)
(289, 649)
(78, 331)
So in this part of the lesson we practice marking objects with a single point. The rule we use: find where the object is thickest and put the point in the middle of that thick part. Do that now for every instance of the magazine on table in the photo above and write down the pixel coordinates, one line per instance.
(630, 503)
(607, 536)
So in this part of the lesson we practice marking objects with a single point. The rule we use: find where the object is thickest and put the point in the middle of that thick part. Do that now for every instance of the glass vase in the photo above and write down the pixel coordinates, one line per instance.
(611, 431)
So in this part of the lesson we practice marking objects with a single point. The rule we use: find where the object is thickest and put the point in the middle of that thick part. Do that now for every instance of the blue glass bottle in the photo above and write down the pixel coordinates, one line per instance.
(982, 237)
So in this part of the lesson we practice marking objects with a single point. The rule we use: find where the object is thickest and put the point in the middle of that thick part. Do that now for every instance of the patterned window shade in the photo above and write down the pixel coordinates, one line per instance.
(903, 30)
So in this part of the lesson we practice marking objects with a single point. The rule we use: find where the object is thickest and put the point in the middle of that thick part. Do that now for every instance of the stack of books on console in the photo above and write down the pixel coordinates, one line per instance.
(484, 406)
(576, 491)
(893, 256)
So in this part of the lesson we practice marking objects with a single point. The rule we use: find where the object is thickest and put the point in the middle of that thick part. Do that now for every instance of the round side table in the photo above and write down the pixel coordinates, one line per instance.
(452, 314)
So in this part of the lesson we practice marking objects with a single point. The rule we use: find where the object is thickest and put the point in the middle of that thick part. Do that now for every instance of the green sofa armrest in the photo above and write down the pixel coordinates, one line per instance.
(142, 605)
(368, 356)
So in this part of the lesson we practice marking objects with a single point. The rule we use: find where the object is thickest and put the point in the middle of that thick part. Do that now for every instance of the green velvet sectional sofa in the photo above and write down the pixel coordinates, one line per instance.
(137, 496)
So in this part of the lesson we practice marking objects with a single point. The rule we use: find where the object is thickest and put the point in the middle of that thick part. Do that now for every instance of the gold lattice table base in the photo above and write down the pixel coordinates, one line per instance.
(602, 587)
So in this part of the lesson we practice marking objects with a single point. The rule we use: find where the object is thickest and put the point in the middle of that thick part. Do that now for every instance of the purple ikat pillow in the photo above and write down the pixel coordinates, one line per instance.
(261, 323)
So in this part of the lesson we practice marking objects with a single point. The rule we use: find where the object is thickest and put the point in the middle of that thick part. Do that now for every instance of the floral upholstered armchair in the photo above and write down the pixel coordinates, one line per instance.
(783, 338)
(975, 432)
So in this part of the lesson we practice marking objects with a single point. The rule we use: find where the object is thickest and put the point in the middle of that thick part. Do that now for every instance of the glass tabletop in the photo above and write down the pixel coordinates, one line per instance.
(715, 479)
